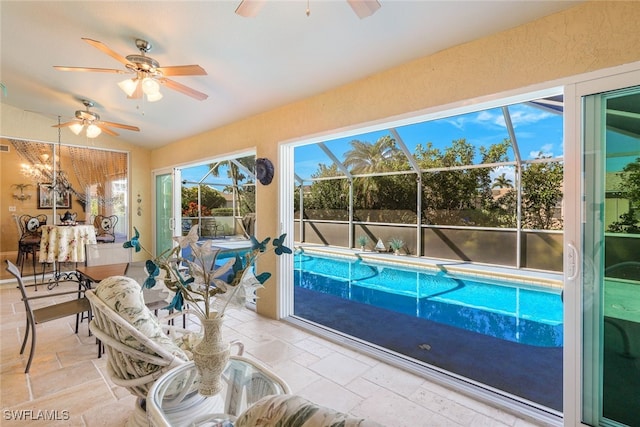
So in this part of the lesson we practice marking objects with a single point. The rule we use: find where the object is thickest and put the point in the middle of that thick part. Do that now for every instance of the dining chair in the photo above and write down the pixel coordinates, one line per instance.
(47, 313)
(105, 228)
(29, 241)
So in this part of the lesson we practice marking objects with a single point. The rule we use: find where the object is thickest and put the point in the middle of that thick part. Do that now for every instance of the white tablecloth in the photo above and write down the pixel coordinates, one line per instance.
(65, 243)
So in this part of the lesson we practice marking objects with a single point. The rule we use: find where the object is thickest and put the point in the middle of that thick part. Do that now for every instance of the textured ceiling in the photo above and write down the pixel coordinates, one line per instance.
(253, 64)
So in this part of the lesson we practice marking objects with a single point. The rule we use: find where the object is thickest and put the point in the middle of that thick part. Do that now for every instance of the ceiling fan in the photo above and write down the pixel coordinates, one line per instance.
(362, 8)
(148, 72)
(90, 120)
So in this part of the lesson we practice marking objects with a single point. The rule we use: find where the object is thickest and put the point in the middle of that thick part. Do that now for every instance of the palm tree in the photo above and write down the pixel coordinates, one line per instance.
(365, 157)
(502, 182)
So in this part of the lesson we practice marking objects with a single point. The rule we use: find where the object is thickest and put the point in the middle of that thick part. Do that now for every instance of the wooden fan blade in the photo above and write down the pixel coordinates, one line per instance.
(119, 125)
(104, 48)
(171, 84)
(64, 125)
(183, 70)
(99, 70)
(249, 8)
(106, 129)
(364, 8)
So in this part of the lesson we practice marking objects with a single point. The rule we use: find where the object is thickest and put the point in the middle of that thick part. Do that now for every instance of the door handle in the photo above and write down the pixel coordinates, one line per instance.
(572, 257)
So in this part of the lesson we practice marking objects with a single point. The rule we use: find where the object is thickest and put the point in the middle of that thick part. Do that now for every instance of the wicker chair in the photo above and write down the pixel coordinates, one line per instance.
(139, 349)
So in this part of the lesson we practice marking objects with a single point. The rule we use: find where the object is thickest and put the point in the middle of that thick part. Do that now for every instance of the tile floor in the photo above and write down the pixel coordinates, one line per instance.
(67, 377)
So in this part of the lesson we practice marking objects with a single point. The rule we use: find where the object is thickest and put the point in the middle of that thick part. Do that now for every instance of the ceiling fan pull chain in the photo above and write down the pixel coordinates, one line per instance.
(308, 8)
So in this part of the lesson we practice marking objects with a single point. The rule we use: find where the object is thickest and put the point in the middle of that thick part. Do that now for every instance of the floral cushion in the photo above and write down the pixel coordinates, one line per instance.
(295, 411)
(124, 296)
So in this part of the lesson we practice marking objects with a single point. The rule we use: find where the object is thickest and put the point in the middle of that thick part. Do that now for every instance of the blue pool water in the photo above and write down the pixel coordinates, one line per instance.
(522, 314)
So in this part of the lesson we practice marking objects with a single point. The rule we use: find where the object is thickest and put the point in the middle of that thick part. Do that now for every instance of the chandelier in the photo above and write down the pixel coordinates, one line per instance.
(93, 171)
(44, 168)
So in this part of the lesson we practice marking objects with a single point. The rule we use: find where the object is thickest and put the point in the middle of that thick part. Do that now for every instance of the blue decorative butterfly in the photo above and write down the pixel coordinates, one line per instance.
(134, 242)
(152, 273)
(262, 246)
(280, 248)
(176, 303)
(263, 277)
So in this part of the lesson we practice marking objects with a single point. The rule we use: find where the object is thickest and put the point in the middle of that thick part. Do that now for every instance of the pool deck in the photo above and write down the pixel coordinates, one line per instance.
(520, 276)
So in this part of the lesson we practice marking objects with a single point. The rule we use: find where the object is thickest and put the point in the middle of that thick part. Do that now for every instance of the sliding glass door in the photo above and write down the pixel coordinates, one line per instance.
(609, 273)
(167, 208)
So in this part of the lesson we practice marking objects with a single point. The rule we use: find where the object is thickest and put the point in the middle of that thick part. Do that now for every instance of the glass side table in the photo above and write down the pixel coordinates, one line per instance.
(173, 401)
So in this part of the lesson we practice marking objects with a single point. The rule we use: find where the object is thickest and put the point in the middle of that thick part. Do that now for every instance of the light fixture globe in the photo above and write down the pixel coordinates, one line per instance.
(76, 128)
(129, 86)
(154, 97)
(150, 86)
(93, 131)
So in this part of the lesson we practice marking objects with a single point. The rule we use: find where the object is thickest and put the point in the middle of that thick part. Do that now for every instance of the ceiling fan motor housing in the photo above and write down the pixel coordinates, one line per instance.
(87, 115)
(143, 63)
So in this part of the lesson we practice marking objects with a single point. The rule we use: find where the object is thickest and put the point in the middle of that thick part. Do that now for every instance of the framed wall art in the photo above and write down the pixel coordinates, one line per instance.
(45, 197)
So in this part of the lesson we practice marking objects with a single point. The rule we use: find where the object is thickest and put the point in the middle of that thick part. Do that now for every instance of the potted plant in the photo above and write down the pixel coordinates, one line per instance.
(210, 290)
(362, 241)
(396, 244)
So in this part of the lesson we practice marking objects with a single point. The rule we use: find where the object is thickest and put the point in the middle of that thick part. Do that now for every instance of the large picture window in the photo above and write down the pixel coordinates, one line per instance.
(474, 203)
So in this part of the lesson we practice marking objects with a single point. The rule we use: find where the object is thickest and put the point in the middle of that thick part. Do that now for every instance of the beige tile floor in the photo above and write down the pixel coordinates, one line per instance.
(70, 382)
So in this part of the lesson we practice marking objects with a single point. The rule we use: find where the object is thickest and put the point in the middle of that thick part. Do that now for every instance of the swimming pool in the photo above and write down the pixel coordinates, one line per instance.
(521, 313)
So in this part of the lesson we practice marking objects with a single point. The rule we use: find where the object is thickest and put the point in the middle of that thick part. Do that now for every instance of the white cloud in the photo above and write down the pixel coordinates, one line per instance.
(546, 150)
(527, 116)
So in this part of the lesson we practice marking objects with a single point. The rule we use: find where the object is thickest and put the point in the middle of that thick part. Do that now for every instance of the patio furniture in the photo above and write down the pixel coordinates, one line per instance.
(139, 349)
(105, 228)
(209, 227)
(245, 381)
(296, 411)
(46, 313)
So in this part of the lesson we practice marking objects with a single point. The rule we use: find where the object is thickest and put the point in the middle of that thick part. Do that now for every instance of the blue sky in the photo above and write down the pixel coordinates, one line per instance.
(536, 131)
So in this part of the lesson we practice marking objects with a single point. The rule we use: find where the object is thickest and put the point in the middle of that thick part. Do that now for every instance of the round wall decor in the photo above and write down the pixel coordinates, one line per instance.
(264, 170)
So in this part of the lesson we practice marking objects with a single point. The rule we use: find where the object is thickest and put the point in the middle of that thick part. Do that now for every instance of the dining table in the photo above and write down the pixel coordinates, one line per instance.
(64, 243)
(97, 273)
(154, 299)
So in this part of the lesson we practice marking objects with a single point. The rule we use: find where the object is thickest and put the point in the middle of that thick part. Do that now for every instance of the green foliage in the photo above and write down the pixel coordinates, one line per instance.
(222, 212)
(628, 224)
(396, 244)
(630, 184)
(362, 240)
(210, 199)
(541, 193)
(456, 196)
(327, 194)
(629, 189)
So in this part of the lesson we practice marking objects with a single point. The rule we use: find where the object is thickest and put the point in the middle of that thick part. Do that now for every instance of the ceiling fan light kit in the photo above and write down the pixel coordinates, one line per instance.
(149, 75)
(91, 121)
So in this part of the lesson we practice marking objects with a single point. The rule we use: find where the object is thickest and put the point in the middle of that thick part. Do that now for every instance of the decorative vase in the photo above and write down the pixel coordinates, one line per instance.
(211, 356)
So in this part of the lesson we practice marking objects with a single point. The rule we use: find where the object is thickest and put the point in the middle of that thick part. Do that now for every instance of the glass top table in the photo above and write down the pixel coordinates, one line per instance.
(174, 400)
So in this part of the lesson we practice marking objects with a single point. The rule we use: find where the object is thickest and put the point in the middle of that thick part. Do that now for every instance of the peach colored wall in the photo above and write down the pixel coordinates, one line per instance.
(19, 124)
(585, 38)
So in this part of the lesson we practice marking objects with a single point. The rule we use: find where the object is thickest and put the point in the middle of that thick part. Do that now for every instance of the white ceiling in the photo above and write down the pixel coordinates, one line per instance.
(253, 64)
